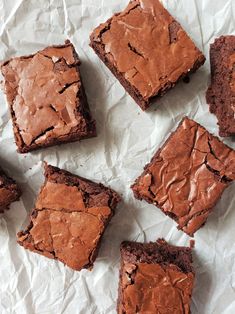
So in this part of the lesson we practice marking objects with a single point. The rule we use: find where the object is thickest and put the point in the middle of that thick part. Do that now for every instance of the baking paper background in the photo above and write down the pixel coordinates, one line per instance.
(127, 138)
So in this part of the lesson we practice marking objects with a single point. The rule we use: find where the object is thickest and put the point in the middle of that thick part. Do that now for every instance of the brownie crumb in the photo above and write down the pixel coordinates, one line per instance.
(192, 244)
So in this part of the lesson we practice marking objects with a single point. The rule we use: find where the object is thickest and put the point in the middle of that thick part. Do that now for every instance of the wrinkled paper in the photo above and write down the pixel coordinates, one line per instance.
(127, 138)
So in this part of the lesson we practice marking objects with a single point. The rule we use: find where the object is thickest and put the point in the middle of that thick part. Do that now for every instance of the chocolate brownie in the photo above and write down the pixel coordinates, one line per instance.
(155, 278)
(221, 93)
(187, 176)
(9, 191)
(69, 219)
(46, 97)
(146, 49)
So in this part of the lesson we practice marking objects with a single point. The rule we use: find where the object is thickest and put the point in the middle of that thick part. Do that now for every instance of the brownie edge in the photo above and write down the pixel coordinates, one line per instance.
(221, 93)
(9, 191)
(159, 252)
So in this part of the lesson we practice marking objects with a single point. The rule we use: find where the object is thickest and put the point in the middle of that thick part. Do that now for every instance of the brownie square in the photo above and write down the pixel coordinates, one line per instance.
(221, 93)
(46, 98)
(69, 219)
(187, 176)
(146, 49)
(9, 191)
(155, 278)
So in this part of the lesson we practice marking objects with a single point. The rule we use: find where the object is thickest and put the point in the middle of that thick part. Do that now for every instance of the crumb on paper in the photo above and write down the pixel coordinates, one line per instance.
(192, 244)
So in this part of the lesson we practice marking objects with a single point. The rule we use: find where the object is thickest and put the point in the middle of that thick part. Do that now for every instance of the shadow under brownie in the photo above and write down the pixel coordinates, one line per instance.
(146, 49)
(69, 218)
(46, 98)
(187, 175)
(155, 278)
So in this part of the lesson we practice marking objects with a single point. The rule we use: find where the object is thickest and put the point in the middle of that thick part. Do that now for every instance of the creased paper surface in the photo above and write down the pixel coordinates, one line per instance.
(127, 138)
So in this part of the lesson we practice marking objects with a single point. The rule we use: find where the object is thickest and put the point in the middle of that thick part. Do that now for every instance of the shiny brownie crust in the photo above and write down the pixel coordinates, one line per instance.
(70, 216)
(187, 175)
(46, 97)
(146, 49)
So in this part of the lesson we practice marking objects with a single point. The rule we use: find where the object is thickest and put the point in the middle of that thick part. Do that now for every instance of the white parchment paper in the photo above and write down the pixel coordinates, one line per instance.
(127, 138)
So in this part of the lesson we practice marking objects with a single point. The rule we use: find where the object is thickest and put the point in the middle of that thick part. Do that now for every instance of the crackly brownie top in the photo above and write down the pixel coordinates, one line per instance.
(148, 46)
(152, 281)
(187, 175)
(221, 93)
(42, 91)
(70, 217)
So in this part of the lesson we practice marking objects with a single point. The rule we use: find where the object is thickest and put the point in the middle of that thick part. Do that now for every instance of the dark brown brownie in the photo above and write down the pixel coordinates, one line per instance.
(187, 176)
(69, 218)
(46, 98)
(9, 191)
(155, 278)
(221, 93)
(146, 49)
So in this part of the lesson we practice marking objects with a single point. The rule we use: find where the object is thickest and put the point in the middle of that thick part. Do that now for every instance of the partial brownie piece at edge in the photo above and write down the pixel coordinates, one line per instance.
(69, 219)
(9, 191)
(155, 278)
(221, 93)
(46, 98)
(187, 175)
(146, 49)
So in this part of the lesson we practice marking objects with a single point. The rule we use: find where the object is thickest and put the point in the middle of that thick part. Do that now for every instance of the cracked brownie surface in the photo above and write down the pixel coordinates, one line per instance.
(155, 278)
(69, 219)
(221, 93)
(146, 49)
(187, 176)
(46, 98)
